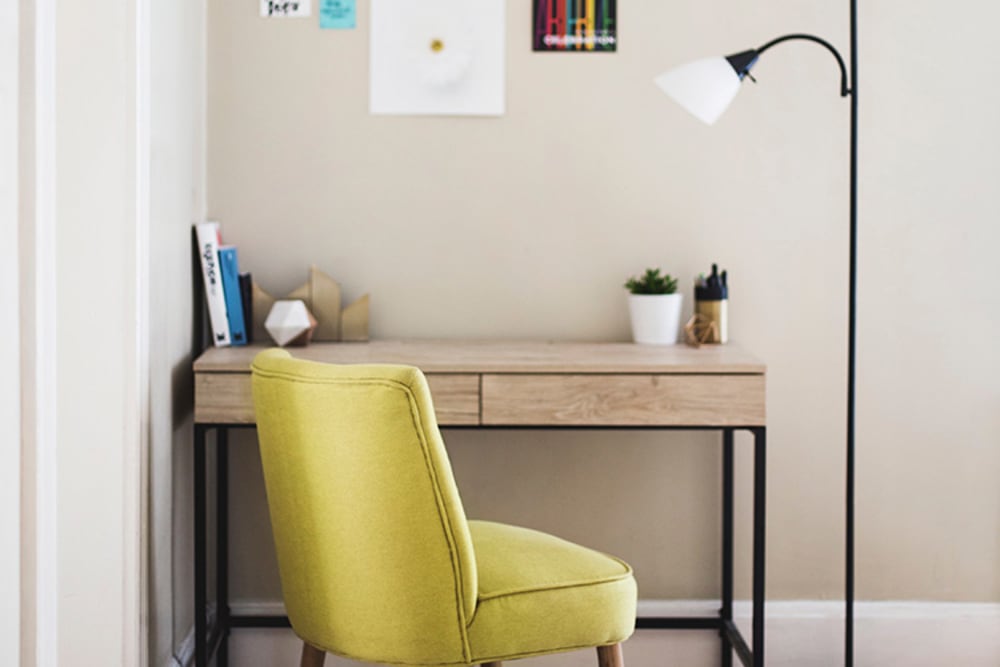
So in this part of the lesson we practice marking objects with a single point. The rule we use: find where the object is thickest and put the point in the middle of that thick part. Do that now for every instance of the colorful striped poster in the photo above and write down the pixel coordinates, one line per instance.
(575, 25)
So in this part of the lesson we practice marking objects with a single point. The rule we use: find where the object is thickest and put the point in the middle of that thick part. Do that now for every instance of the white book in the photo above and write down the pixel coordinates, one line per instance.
(208, 250)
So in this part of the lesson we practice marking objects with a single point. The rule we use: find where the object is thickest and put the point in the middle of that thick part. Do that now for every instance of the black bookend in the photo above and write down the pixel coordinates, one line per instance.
(246, 296)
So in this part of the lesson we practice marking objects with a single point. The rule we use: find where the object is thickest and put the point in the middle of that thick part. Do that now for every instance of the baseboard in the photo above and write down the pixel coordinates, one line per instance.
(801, 633)
(184, 655)
(257, 608)
(828, 609)
(776, 609)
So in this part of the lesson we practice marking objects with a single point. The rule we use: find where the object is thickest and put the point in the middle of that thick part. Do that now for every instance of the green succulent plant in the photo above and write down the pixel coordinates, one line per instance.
(652, 282)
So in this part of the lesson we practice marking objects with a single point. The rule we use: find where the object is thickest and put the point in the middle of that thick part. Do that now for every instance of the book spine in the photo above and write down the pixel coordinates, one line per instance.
(208, 251)
(231, 290)
(246, 297)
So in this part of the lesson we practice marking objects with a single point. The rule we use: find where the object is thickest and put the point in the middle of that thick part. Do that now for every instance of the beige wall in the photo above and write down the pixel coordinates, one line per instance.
(526, 226)
(177, 199)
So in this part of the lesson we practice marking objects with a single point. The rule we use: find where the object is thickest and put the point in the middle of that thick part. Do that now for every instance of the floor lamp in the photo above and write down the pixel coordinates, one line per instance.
(705, 88)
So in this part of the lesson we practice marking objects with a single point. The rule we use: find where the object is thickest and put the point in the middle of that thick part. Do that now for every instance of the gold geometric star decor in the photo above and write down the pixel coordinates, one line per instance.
(321, 294)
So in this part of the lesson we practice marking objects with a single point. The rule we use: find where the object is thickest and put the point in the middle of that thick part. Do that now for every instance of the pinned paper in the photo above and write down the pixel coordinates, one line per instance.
(437, 57)
(285, 8)
(337, 14)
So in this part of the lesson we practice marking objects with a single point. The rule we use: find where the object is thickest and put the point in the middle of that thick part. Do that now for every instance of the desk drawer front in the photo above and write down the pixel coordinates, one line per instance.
(223, 398)
(226, 398)
(456, 399)
(623, 400)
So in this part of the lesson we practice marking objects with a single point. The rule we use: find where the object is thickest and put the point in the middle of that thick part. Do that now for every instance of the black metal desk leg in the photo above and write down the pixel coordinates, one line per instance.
(222, 543)
(727, 544)
(759, 537)
(200, 580)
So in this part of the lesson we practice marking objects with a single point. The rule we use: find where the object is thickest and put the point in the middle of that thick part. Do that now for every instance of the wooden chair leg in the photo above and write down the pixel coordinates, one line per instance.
(610, 656)
(312, 656)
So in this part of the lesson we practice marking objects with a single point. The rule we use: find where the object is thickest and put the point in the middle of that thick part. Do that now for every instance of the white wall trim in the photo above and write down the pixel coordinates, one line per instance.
(800, 633)
(184, 655)
(10, 337)
(832, 609)
(44, 405)
(135, 459)
(41, 343)
(257, 608)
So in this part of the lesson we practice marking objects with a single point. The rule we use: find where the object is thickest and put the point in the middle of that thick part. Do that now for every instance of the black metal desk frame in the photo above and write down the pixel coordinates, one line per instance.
(216, 644)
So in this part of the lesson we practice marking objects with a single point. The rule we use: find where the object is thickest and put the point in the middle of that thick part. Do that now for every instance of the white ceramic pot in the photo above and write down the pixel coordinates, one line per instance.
(656, 318)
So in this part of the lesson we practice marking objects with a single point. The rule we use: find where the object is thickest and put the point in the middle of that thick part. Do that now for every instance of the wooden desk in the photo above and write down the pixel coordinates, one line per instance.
(493, 384)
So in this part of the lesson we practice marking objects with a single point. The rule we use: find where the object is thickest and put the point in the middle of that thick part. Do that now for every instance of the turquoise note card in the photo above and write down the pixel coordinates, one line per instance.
(336, 14)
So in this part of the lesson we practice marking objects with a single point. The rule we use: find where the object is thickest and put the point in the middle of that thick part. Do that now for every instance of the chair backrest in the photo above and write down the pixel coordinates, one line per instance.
(373, 547)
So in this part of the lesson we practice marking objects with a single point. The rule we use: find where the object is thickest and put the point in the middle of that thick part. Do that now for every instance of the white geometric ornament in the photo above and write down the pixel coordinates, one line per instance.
(290, 322)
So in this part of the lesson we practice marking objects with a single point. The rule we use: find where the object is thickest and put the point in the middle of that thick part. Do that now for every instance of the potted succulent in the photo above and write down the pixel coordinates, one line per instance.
(655, 307)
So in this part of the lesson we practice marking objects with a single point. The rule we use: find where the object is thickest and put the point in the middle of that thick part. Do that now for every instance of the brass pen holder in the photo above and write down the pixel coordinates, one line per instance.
(712, 321)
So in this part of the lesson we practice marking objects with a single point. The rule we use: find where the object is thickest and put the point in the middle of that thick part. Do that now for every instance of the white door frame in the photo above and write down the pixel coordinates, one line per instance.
(135, 650)
(48, 556)
(10, 339)
(38, 343)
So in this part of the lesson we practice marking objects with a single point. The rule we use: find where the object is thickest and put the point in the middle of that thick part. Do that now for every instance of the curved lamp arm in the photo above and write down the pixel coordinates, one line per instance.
(742, 62)
(706, 87)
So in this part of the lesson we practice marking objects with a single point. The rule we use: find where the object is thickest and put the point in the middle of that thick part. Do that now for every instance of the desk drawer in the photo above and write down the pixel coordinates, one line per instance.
(623, 400)
(225, 398)
(456, 399)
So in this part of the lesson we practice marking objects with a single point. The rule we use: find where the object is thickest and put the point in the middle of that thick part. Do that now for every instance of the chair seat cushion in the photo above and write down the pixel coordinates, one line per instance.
(539, 594)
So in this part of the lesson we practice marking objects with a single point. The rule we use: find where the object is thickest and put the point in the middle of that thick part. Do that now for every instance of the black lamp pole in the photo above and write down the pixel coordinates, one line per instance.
(705, 88)
(852, 339)
(742, 62)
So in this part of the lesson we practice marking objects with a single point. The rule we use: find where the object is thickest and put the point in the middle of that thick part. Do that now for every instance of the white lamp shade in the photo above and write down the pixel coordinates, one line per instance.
(704, 87)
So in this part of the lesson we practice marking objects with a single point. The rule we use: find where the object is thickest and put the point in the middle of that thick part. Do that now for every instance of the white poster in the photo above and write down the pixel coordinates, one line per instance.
(438, 57)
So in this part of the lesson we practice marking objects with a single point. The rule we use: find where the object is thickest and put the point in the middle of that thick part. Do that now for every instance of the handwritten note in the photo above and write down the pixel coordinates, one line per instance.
(285, 8)
(337, 14)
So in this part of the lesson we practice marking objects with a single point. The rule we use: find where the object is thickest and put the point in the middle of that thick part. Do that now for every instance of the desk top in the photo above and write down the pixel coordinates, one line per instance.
(492, 356)
(532, 383)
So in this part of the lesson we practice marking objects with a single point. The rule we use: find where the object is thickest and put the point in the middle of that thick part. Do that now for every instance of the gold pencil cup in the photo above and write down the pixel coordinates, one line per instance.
(714, 318)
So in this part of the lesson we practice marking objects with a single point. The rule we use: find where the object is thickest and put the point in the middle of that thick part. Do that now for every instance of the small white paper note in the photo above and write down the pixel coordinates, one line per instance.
(285, 8)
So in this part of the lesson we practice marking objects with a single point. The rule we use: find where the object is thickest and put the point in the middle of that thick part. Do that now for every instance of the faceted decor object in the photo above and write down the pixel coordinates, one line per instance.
(290, 323)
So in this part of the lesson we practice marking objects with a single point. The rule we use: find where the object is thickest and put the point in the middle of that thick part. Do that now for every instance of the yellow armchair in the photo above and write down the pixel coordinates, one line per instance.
(377, 560)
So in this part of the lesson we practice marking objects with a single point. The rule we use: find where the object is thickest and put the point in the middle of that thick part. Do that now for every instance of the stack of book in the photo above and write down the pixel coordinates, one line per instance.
(228, 293)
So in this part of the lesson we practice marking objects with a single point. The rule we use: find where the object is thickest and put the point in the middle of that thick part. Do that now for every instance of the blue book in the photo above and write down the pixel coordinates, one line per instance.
(231, 289)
